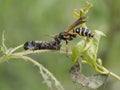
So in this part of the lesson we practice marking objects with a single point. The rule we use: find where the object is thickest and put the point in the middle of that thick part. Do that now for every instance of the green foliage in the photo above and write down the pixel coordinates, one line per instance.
(10, 53)
(83, 11)
(87, 48)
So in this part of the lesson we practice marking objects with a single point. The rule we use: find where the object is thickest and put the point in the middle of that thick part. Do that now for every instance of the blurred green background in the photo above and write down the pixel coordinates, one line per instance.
(24, 20)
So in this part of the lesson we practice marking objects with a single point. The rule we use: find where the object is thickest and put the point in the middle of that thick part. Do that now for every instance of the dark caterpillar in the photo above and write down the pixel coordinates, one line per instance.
(38, 45)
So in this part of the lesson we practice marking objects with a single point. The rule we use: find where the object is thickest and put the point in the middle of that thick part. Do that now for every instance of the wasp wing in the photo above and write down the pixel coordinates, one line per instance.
(76, 23)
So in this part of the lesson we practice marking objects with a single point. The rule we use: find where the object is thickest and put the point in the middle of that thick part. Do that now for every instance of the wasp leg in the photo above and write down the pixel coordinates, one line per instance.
(67, 46)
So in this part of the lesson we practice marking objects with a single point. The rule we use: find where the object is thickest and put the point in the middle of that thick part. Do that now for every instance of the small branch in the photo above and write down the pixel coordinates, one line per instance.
(9, 53)
(114, 75)
(13, 50)
(40, 51)
(103, 70)
(108, 72)
(59, 86)
(31, 52)
(41, 67)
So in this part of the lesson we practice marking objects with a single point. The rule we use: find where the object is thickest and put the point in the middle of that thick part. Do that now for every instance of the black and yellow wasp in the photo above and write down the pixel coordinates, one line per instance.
(69, 34)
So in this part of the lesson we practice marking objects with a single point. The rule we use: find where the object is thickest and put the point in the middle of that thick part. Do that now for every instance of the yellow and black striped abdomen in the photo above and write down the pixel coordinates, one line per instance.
(84, 32)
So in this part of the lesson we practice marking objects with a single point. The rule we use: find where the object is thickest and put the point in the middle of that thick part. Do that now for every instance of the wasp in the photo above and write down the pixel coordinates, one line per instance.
(40, 45)
(67, 35)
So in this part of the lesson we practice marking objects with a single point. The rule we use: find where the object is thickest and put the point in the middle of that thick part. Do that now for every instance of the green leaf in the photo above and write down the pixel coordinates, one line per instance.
(76, 13)
(87, 48)
(95, 44)
(78, 50)
(86, 9)
(82, 11)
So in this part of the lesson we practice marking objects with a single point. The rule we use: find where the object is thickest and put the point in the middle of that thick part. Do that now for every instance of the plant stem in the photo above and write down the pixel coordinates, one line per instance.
(41, 68)
(114, 75)
(99, 68)
(102, 69)
(108, 72)
(59, 86)
(14, 49)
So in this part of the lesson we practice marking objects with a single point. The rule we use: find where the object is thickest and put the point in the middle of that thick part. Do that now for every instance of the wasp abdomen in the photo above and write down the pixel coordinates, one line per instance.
(84, 32)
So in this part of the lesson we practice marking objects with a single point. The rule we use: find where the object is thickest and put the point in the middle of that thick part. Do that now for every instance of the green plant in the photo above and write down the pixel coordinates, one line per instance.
(86, 48)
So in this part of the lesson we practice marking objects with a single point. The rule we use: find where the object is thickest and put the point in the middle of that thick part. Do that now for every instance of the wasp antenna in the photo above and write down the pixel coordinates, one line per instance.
(52, 36)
